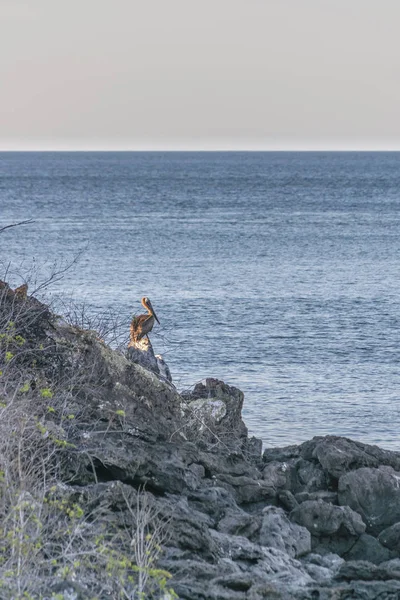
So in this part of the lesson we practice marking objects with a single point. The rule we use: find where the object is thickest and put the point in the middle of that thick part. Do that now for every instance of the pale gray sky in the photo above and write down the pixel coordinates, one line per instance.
(199, 74)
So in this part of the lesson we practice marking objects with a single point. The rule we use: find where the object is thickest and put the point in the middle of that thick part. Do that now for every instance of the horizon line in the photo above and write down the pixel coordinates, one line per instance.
(199, 150)
(198, 145)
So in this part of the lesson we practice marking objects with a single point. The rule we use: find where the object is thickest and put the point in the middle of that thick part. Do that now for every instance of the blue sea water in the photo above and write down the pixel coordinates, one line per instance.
(276, 272)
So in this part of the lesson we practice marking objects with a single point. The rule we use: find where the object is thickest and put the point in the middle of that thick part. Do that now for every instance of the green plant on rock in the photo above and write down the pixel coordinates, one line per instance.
(9, 356)
(8, 337)
(47, 529)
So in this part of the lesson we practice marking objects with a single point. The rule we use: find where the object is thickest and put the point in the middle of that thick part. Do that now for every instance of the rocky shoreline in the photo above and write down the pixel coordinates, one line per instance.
(320, 520)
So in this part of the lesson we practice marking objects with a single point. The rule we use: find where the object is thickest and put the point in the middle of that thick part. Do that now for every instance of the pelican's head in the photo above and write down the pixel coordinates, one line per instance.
(147, 304)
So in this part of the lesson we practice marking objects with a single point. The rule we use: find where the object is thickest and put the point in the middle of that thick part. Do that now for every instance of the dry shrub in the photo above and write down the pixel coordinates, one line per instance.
(47, 536)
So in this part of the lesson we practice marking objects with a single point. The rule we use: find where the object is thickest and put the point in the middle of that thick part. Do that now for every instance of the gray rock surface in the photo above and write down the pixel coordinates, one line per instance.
(240, 526)
(217, 411)
(277, 531)
(392, 568)
(390, 537)
(142, 353)
(338, 455)
(324, 519)
(360, 569)
(374, 493)
(368, 548)
(236, 522)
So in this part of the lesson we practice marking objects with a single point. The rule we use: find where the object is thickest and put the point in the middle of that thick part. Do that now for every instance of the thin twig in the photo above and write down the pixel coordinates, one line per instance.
(26, 222)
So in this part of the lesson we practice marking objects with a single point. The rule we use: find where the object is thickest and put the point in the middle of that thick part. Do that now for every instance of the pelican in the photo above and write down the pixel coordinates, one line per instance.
(22, 291)
(141, 325)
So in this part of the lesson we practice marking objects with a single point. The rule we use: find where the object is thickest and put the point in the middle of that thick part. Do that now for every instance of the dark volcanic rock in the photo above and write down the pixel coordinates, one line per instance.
(278, 532)
(287, 500)
(368, 548)
(142, 353)
(189, 530)
(360, 569)
(224, 461)
(375, 494)
(245, 489)
(323, 519)
(339, 455)
(214, 501)
(297, 475)
(281, 455)
(236, 523)
(324, 495)
(218, 406)
(392, 568)
(322, 568)
(333, 528)
(335, 455)
(310, 477)
(390, 537)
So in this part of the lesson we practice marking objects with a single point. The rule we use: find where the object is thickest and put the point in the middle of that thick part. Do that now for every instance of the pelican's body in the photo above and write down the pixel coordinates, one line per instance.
(143, 324)
(22, 291)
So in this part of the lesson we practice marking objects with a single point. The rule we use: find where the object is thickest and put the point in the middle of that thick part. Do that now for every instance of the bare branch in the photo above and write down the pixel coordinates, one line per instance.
(26, 222)
(57, 273)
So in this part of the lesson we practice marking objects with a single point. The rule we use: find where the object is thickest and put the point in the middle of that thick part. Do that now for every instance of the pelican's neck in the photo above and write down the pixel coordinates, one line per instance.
(148, 307)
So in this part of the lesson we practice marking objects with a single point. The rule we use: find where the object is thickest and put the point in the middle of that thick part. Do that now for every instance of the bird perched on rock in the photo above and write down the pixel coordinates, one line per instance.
(21, 291)
(141, 325)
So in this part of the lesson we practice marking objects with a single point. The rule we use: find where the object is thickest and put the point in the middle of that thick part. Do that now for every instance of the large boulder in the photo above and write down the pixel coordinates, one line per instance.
(333, 528)
(216, 410)
(265, 563)
(238, 522)
(338, 455)
(322, 567)
(297, 475)
(369, 548)
(375, 494)
(390, 537)
(335, 455)
(214, 501)
(142, 353)
(278, 532)
(324, 519)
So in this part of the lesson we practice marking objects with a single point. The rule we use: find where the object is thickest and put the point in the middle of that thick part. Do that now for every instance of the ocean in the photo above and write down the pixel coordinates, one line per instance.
(278, 272)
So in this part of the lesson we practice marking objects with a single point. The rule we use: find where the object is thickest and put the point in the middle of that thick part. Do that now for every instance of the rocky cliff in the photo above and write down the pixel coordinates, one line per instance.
(90, 439)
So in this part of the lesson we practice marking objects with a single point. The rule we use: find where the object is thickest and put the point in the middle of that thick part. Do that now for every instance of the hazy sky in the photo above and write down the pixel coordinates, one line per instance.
(199, 74)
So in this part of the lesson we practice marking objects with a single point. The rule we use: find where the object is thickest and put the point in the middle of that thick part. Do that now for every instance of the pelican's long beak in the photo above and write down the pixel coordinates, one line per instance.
(152, 312)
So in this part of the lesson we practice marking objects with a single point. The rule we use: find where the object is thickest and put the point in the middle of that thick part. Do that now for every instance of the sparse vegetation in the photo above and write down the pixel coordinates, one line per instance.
(53, 544)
